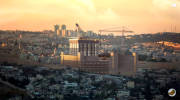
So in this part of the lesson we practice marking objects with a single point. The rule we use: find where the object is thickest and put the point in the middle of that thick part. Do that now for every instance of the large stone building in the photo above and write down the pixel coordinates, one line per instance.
(86, 47)
(84, 55)
(124, 64)
(114, 64)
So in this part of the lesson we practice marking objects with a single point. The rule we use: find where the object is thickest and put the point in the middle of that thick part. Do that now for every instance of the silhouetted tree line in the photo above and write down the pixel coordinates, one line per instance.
(165, 36)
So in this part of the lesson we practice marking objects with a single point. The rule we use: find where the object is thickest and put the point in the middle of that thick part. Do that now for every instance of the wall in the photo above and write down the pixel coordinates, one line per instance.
(124, 64)
(70, 60)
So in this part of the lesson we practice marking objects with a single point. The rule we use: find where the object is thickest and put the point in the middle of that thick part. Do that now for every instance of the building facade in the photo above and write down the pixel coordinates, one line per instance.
(124, 64)
(56, 29)
(115, 64)
(83, 54)
(86, 47)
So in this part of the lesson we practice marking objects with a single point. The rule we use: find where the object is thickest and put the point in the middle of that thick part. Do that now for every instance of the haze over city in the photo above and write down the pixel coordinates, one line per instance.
(89, 49)
(142, 16)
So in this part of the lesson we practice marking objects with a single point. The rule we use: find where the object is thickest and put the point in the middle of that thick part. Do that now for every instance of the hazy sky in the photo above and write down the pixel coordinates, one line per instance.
(141, 16)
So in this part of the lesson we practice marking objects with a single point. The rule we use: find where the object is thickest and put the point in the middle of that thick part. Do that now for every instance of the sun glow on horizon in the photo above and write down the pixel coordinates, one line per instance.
(141, 15)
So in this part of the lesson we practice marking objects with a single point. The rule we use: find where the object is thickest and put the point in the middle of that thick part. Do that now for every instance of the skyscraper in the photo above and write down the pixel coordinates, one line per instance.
(63, 27)
(56, 29)
(63, 31)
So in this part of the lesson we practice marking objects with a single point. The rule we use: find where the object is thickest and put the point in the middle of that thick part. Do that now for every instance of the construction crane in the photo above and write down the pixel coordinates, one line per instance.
(120, 29)
(79, 34)
(123, 31)
(79, 30)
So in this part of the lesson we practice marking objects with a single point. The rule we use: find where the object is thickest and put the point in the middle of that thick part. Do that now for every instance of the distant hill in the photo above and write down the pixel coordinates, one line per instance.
(165, 36)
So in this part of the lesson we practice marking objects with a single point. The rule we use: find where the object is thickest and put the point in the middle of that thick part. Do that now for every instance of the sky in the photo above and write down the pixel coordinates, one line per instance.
(140, 16)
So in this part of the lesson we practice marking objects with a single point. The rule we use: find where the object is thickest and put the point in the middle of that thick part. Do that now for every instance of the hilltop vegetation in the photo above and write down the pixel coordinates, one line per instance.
(166, 36)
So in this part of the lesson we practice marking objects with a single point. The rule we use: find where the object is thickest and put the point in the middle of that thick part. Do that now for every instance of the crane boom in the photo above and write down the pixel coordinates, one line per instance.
(122, 30)
(115, 31)
(78, 28)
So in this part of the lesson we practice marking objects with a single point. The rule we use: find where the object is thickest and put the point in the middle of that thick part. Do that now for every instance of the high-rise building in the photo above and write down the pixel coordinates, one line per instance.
(56, 29)
(124, 64)
(63, 31)
(86, 47)
(63, 27)
(114, 63)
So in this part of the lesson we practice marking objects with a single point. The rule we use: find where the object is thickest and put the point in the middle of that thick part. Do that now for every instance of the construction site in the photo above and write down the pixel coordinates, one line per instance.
(91, 55)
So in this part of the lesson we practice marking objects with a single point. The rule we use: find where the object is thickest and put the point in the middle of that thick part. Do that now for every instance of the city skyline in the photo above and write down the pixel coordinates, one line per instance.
(141, 16)
(89, 49)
